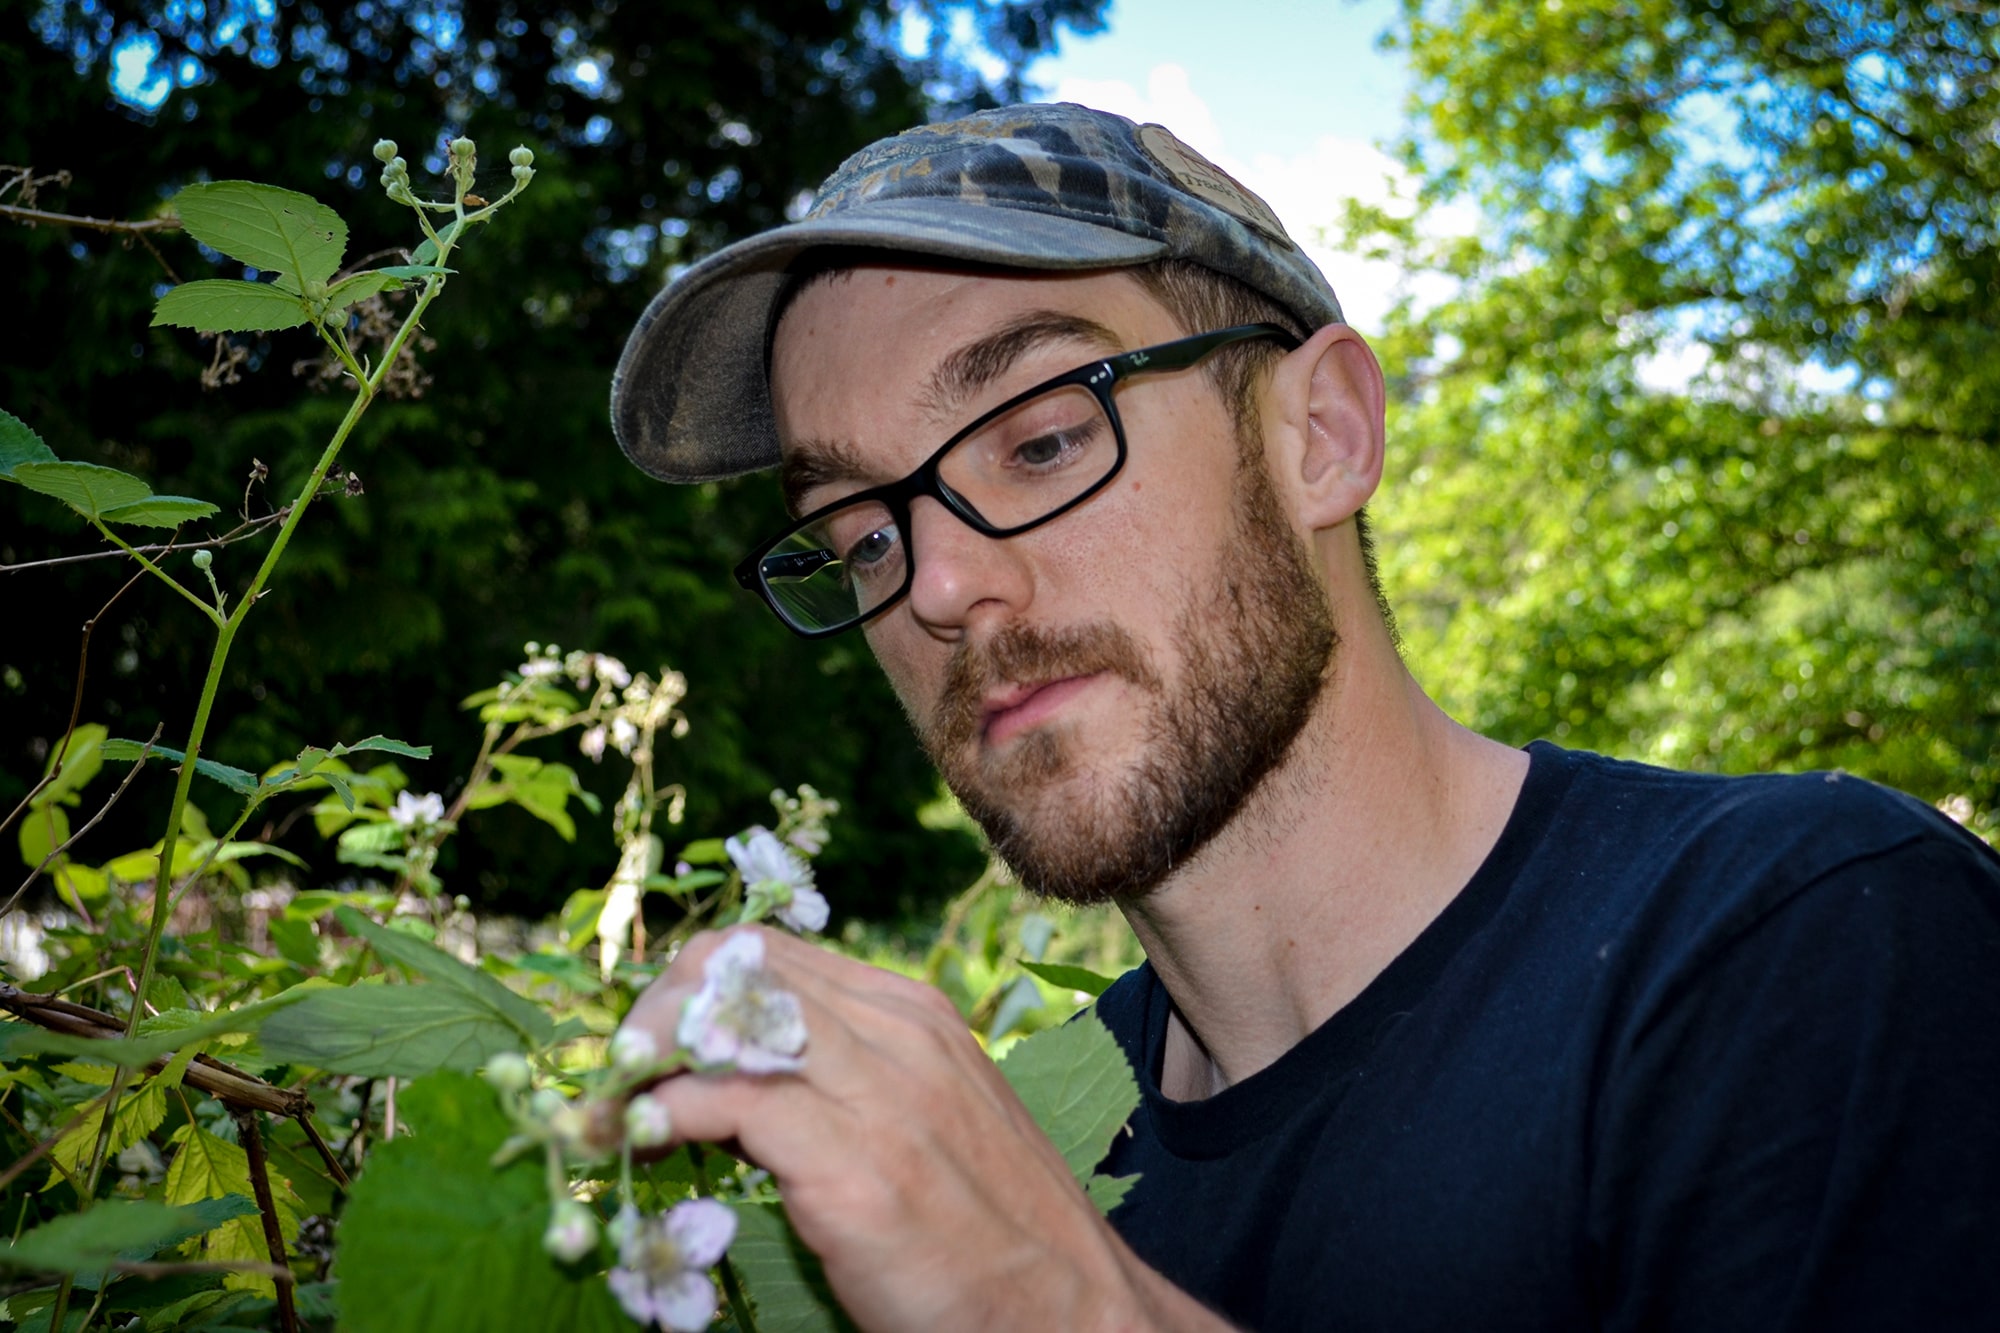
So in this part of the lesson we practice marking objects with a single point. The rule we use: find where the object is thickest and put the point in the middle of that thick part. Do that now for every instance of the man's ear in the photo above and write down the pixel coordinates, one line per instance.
(1324, 426)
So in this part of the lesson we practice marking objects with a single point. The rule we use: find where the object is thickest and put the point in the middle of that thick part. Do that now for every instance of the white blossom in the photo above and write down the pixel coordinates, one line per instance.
(410, 811)
(623, 734)
(663, 1262)
(741, 1018)
(612, 671)
(765, 861)
(592, 743)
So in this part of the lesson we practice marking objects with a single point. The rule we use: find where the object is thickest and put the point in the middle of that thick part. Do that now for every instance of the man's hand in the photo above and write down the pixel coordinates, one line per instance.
(907, 1163)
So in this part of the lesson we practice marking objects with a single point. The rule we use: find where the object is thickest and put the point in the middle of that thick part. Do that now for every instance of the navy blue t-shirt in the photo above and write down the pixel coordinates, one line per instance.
(1686, 1053)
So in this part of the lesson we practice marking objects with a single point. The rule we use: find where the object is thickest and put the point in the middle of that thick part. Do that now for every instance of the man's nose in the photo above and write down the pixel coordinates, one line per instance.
(961, 575)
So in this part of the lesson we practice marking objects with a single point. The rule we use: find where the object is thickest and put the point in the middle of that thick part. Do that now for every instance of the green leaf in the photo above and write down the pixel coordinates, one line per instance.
(140, 1112)
(424, 960)
(389, 1031)
(542, 789)
(782, 1276)
(705, 851)
(80, 763)
(230, 305)
(84, 487)
(207, 1167)
(20, 444)
(361, 286)
(237, 780)
(1077, 1084)
(19, 1040)
(265, 227)
(1069, 978)
(433, 1237)
(161, 511)
(86, 1242)
(387, 745)
(1107, 1192)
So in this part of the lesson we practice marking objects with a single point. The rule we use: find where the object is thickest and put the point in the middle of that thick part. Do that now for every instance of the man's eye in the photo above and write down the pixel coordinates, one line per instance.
(877, 546)
(1053, 448)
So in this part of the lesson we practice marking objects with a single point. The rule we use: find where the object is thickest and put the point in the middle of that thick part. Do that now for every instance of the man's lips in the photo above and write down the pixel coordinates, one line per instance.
(1007, 712)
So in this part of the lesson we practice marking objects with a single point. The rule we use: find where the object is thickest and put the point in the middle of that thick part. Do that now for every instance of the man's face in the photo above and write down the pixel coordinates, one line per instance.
(1102, 693)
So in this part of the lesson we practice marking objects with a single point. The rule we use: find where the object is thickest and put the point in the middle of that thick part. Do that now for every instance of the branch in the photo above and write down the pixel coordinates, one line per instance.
(235, 534)
(251, 1134)
(34, 217)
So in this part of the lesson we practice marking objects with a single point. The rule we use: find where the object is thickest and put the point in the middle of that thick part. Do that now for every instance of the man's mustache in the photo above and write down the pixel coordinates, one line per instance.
(1026, 654)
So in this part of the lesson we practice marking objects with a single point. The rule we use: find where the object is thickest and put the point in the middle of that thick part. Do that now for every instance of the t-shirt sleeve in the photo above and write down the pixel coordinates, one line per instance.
(1800, 1128)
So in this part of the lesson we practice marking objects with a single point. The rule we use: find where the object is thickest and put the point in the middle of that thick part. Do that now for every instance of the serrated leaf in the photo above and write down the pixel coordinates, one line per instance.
(389, 1031)
(80, 763)
(19, 443)
(1069, 978)
(84, 487)
(385, 744)
(20, 1040)
(541, 788)
(139, 1113)
(1107, 1192)
(86, 1242)
(434, 1238)
(265, 227)
(241, 782)
(207, 1167)
(425, 960)
(1078, 1085)
(783, 1278)
(230, 305)
(161, 511)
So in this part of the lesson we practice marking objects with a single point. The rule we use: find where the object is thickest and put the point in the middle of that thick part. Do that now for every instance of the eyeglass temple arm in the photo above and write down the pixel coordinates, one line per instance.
(1185, 352)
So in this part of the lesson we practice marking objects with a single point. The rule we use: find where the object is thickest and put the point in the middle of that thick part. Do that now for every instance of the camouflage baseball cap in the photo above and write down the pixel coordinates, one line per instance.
(1049, 187)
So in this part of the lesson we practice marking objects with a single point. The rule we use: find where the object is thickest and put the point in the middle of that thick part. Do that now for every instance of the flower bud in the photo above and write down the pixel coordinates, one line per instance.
(546, 1103)
(524, 174)
(509, 1072)
(647, 1124)
(521, 157)
(572, 1231)
(203, 559)
(633, 1049)
(461, 147)
(384, 149)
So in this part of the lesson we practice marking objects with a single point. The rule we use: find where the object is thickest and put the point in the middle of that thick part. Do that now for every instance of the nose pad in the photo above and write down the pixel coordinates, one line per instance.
(962, 575)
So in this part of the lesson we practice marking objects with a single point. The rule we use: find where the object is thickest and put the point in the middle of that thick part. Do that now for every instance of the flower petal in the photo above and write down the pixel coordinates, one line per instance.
(702, 1229)
(685, 1303)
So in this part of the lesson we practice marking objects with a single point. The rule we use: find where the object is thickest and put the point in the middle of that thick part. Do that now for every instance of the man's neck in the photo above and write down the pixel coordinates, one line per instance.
(1381, 812)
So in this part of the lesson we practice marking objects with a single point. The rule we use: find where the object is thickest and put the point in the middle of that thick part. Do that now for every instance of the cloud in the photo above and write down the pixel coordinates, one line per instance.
(1306, 191)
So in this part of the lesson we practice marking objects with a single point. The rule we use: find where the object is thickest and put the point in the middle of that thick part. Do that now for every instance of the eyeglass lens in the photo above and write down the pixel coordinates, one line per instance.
(1011, 471)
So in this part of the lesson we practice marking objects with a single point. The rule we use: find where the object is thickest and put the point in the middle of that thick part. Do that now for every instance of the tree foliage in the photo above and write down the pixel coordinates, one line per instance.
(1695, 461)
(493, 508)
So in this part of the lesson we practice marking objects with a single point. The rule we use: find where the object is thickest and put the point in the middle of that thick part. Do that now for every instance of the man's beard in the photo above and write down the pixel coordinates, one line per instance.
(1255, 638)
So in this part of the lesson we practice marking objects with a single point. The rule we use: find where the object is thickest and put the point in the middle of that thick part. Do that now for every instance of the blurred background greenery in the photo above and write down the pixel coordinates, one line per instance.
(1695, 386)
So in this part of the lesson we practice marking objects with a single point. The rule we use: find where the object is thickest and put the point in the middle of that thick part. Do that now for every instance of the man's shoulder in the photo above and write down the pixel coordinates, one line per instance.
(1703, 858)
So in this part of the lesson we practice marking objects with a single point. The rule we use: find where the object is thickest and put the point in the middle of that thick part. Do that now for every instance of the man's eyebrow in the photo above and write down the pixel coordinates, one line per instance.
(812, 463)
(977, 364)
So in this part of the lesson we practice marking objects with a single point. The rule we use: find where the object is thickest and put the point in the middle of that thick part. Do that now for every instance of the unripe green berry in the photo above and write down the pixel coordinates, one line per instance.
(508, 1071)
(203, 559)
(384, 149)
(521, 157)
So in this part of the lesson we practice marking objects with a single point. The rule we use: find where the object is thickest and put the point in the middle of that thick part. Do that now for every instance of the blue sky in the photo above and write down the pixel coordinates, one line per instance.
(1292, 97)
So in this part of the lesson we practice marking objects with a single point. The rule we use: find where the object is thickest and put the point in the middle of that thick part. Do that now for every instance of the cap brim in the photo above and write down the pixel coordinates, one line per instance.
(689, 401)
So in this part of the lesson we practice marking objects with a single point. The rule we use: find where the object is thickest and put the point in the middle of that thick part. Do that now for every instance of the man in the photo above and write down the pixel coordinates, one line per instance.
(1433, 1033)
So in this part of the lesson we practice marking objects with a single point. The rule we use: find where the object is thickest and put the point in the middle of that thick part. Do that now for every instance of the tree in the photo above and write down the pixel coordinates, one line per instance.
(1696, 462)
(493, 508)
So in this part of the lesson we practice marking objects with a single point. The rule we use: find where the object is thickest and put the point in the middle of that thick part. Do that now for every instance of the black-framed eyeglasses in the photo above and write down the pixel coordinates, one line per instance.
(1033, 458)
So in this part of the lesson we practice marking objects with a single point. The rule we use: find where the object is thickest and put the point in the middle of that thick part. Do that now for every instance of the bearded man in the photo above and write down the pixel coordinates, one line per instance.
(1433, 1033)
